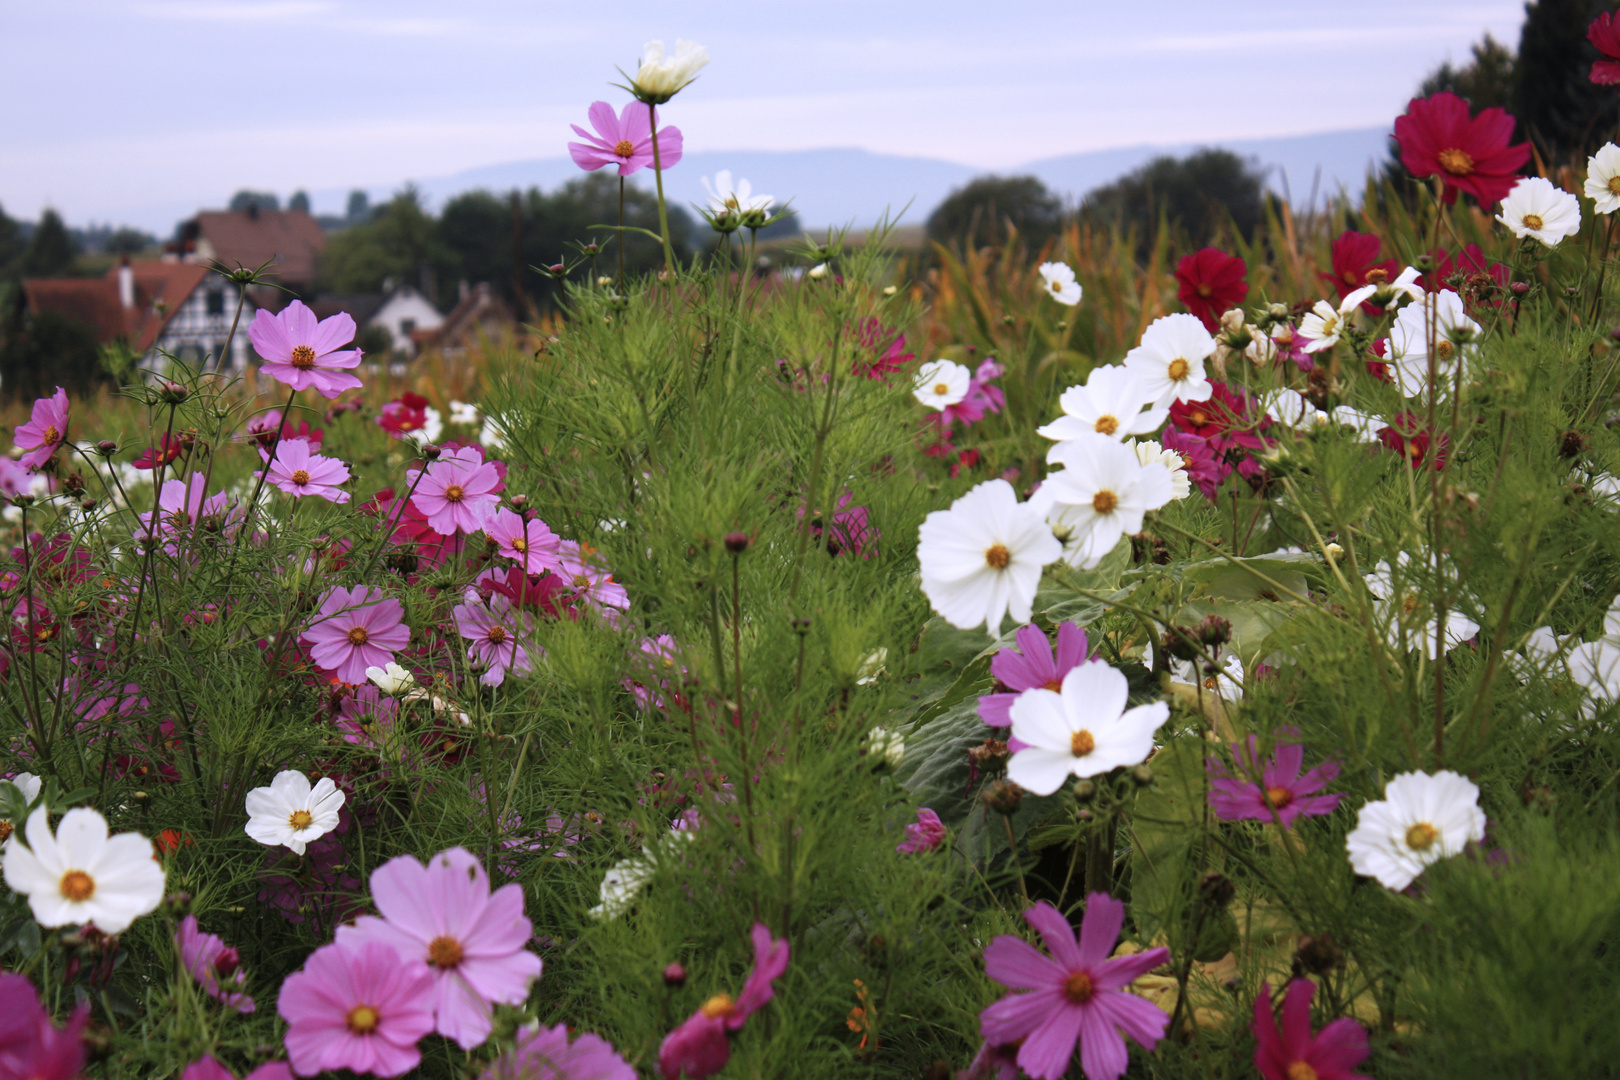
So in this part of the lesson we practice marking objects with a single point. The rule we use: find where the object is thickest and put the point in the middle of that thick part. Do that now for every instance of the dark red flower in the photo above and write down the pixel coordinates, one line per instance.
(1355, 255)
(167, 450)
(883, 350)
(1211, 282)
(1377, 368)
(1438, 138)
(1605, 34)
(1227, 419)
(1408, 436)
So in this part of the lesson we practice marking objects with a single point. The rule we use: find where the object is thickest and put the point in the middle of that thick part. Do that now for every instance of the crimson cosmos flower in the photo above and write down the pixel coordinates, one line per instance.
(1293, 1052)
(1605, 34)
(1438, 138)
(1355, 256)
(1210, 282)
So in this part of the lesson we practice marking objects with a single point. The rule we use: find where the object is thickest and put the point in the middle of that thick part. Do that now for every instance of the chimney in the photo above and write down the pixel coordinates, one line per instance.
(126, 283)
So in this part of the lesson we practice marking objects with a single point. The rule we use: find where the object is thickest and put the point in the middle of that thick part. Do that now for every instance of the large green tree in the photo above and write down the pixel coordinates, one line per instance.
(51, 249)
(1557, 104)
(979, 213)
(401, 244)
(1199, 193)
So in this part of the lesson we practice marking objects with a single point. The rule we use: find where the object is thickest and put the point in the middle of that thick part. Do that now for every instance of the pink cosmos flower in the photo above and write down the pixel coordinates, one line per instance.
(700, 1047)
(496, 631)
(660, 657)
(1076, 994)
(546, 1054)
(1292, 1052)
(44, 431)
(444, 914)
(1205, 468)
(299, 472)
(456, 495)
(925, 834)
(207, 1068)
(30, 1044)
(264, 427)
(213, 964)
(355, 629)
(583, 569)
(528, 542)
(362, 1008)
(304, 353)
(624, 140)
(1241, 798)
(185, 509)
(1032, 666)
(992, 1062)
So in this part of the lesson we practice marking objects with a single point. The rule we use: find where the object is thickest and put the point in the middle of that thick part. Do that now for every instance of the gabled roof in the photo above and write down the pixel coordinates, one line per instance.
(160, 289)
(250, 238)
(481, 310)
(360, 306)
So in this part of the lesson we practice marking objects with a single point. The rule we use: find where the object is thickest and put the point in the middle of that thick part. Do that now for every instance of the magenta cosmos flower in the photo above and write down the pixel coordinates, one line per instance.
(456, 495)
(496, 631)
(1076, 994)
(1280, 785)
(528, 542)
(44, 431)
(299, 471)
(355, 629)
(1292, 1053)
(925, 834)
(207, 1068)
(546, 1054)
(362, 1008)
(302, 352)
(591, 578)
(443, 914)
(31, 1045)
(624, 140)
(216, 966)
(1031, 666)
(701, 1046)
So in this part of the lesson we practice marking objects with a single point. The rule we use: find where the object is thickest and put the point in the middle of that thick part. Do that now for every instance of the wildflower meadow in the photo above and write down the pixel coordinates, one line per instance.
(1095, 661)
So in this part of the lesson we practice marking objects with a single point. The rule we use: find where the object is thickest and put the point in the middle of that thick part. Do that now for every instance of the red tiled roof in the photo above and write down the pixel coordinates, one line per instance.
(160, 289)
(290, 237)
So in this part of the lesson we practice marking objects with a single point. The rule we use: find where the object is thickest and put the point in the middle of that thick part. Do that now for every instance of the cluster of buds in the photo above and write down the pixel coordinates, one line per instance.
(1239, 338)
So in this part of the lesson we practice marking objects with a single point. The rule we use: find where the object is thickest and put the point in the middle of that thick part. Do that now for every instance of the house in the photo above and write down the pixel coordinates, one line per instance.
(481, 316)
(288, 239)
(401, 313)
(181, 309)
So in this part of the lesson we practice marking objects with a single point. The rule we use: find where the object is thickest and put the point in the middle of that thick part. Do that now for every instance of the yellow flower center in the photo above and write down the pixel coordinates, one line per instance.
(1178, 369)
(50, 435)
(1082, 743)
(1456, 162)
(1106, 425)
(996, 557)
(1298, 1070)
(497, 634)
(1204, 290)
(1421, 837)
(303, 357)
(454, 493)
(300, 819)
(444, 952)
(1443, 349)
(1057, 286)
(1533, 221)
(941, 389)
(719, 1005)
(77, 886)
(363, 1019)
(1614, 184)
(519, 544)
(359, 636)
(300, 476)
(1279, 796)
(1078, 987)
(624, 148)
(1104, 502)
(6, 829)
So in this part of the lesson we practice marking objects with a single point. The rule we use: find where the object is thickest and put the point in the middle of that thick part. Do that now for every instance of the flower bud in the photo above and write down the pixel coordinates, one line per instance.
(557, 269)
(1519, 288)
(1084, 790)
(87, 505)
(1142, 775)
(1216, 889)
(1181, 642)
(1572, 444)
(106, 448)
(818, 271)
(1333, 551)
(1003, 796)
(737, 542)
(173, 393)
(801, 625)
(430, 451)
(1317, 954)
(674, 975)
(1214, 630)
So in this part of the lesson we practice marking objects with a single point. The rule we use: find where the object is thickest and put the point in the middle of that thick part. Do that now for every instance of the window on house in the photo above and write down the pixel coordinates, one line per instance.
(405, 327)
(216, 302)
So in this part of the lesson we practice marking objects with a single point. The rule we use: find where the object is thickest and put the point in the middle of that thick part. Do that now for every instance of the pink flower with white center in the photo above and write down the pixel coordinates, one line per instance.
(528, 542)
(362, 1008)
(213, 964)
(582, 568)
(700, 1047)
(299, 471)
(1077, 994)
(624, 140)
(44, 431)
(302, 352)
(546, 1054)
(457, 496)
(355, 629)
(925, 834)
(496, 632)
(1256, 790)
(472, 939)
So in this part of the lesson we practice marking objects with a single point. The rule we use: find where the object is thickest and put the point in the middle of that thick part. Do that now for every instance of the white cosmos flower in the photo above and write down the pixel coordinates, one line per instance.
(738, 199)
(1169, 362)
(1324, 324)
(291, 813)
(1535, 207)
(942, 383)
(1421, 820)
(29, 785)
(984, 556)
(1405, 285)
(1100, 495)
(392, 679)
(492, 434)
(872, 666)
(620, 886)
(1060, 283)
(1407, 615)
(463, 412)
(1226, 680)
(1083, 731)
(81, 875)
(1595, 665)
(1149, 452)
(886, 744)
(1454, 334)
(661, 77)
(1603, 179)
(1111, 403)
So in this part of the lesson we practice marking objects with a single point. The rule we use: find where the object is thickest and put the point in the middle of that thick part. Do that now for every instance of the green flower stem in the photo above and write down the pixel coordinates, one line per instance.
(658, 176)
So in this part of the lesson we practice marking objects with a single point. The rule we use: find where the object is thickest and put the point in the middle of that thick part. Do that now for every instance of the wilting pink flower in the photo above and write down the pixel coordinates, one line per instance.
(1280, 785)
(44, 431)
(528, 542)
(456, 495)
(304, 353)
(1076, 994)
(213, 964)
(1031, 666)
(497, 632)
(624, 140)
(546, 1054)
(1293, 1053)
(924, 834)
(582, 568)
(206, 1068)
(362, 1008)
(299, 472)
(355, 629)
(700, 1047)
(31, 1045)
(472, 939)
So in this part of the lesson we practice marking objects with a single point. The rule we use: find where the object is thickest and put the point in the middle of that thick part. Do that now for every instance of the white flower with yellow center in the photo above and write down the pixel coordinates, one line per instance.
(391, 680)
(1603, 179)
(1111, 403)
(1454, 335)
(1421, 820)
(737, 199)
(1325, 324)
(1169, 363)
(660, 77)
(942, 383)
(1101, 494)
(1085, 730)
(28, 785)
(291, 813)
(1149, 452)
(464, 413)
(1537, 208)
(1408, 615)
(1059, 283)
(81, 875)
(983, 557)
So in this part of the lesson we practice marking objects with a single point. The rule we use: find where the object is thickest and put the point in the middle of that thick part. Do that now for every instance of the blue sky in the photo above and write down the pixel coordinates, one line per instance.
(125, 109)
